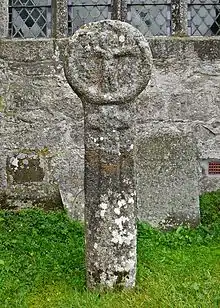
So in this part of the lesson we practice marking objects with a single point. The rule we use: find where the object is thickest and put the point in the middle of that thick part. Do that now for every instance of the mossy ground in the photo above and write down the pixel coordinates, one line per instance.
(42, 263)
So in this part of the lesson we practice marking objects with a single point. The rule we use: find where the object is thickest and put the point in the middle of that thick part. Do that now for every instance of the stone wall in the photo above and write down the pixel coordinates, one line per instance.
(42, 125)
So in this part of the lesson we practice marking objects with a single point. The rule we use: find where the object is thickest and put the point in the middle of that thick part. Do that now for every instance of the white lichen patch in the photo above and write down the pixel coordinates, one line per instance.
(121, 39)
(132, 254)
(103, 277)
(126, 265)
(127, 181)
(117, 237)
(131, 200)
(103, 205)
(87, 47)
(104, 198)
(120, 221)
(129, 238)
(108, 279)
(119, 268)
(121, 203)
(117, 211)
(14, 162)
(102, 213)
(107, 96)
(122, 237)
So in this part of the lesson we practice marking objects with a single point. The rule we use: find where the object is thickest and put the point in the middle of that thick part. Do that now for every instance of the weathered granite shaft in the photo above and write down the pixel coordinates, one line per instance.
(108, 65)
(110, 195)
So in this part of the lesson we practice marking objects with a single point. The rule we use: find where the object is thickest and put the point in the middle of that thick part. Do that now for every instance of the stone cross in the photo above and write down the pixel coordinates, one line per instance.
(108, 65)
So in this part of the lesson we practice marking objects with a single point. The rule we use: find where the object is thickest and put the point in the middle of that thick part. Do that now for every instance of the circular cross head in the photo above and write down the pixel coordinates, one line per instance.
(108, 62)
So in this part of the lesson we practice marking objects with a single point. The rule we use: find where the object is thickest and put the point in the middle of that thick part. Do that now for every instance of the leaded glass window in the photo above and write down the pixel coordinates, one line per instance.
(204, 17)
(81, 12)
(32, 18)
(29, 18)
(151, 17)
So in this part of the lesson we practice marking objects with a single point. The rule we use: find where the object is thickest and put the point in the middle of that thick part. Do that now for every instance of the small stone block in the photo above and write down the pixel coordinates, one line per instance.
(168, 190)
(24, 168)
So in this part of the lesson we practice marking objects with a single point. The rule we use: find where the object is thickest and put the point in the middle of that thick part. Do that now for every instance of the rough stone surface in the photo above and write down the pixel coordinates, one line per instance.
(38, 195)
(115, 62)
(36, 108)
(60, 16)
(179, 17)
(35, 118)
(108, 66)
(29, 182)
(119, 10)
(167, 167)
(4, 18)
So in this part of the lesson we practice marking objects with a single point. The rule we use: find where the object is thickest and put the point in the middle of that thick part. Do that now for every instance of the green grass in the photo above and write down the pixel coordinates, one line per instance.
(42, 263)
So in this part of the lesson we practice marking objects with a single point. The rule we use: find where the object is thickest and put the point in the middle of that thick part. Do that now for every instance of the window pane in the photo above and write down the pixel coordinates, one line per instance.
(151, 17)
(29, 18)
(85, 11)
(204, 17)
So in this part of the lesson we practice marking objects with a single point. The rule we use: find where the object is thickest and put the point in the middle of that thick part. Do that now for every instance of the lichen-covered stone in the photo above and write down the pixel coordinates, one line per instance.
(25, 168)
(179, 9)
(119, 10)
(111, 51)
(29, 181)
(32, 195)
(60, 17)
(101, 69)
(36, 108)
(168, 192)
(4, 18)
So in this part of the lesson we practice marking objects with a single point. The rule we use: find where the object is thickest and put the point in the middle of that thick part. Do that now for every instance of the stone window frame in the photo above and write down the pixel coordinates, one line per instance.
(179, 17)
